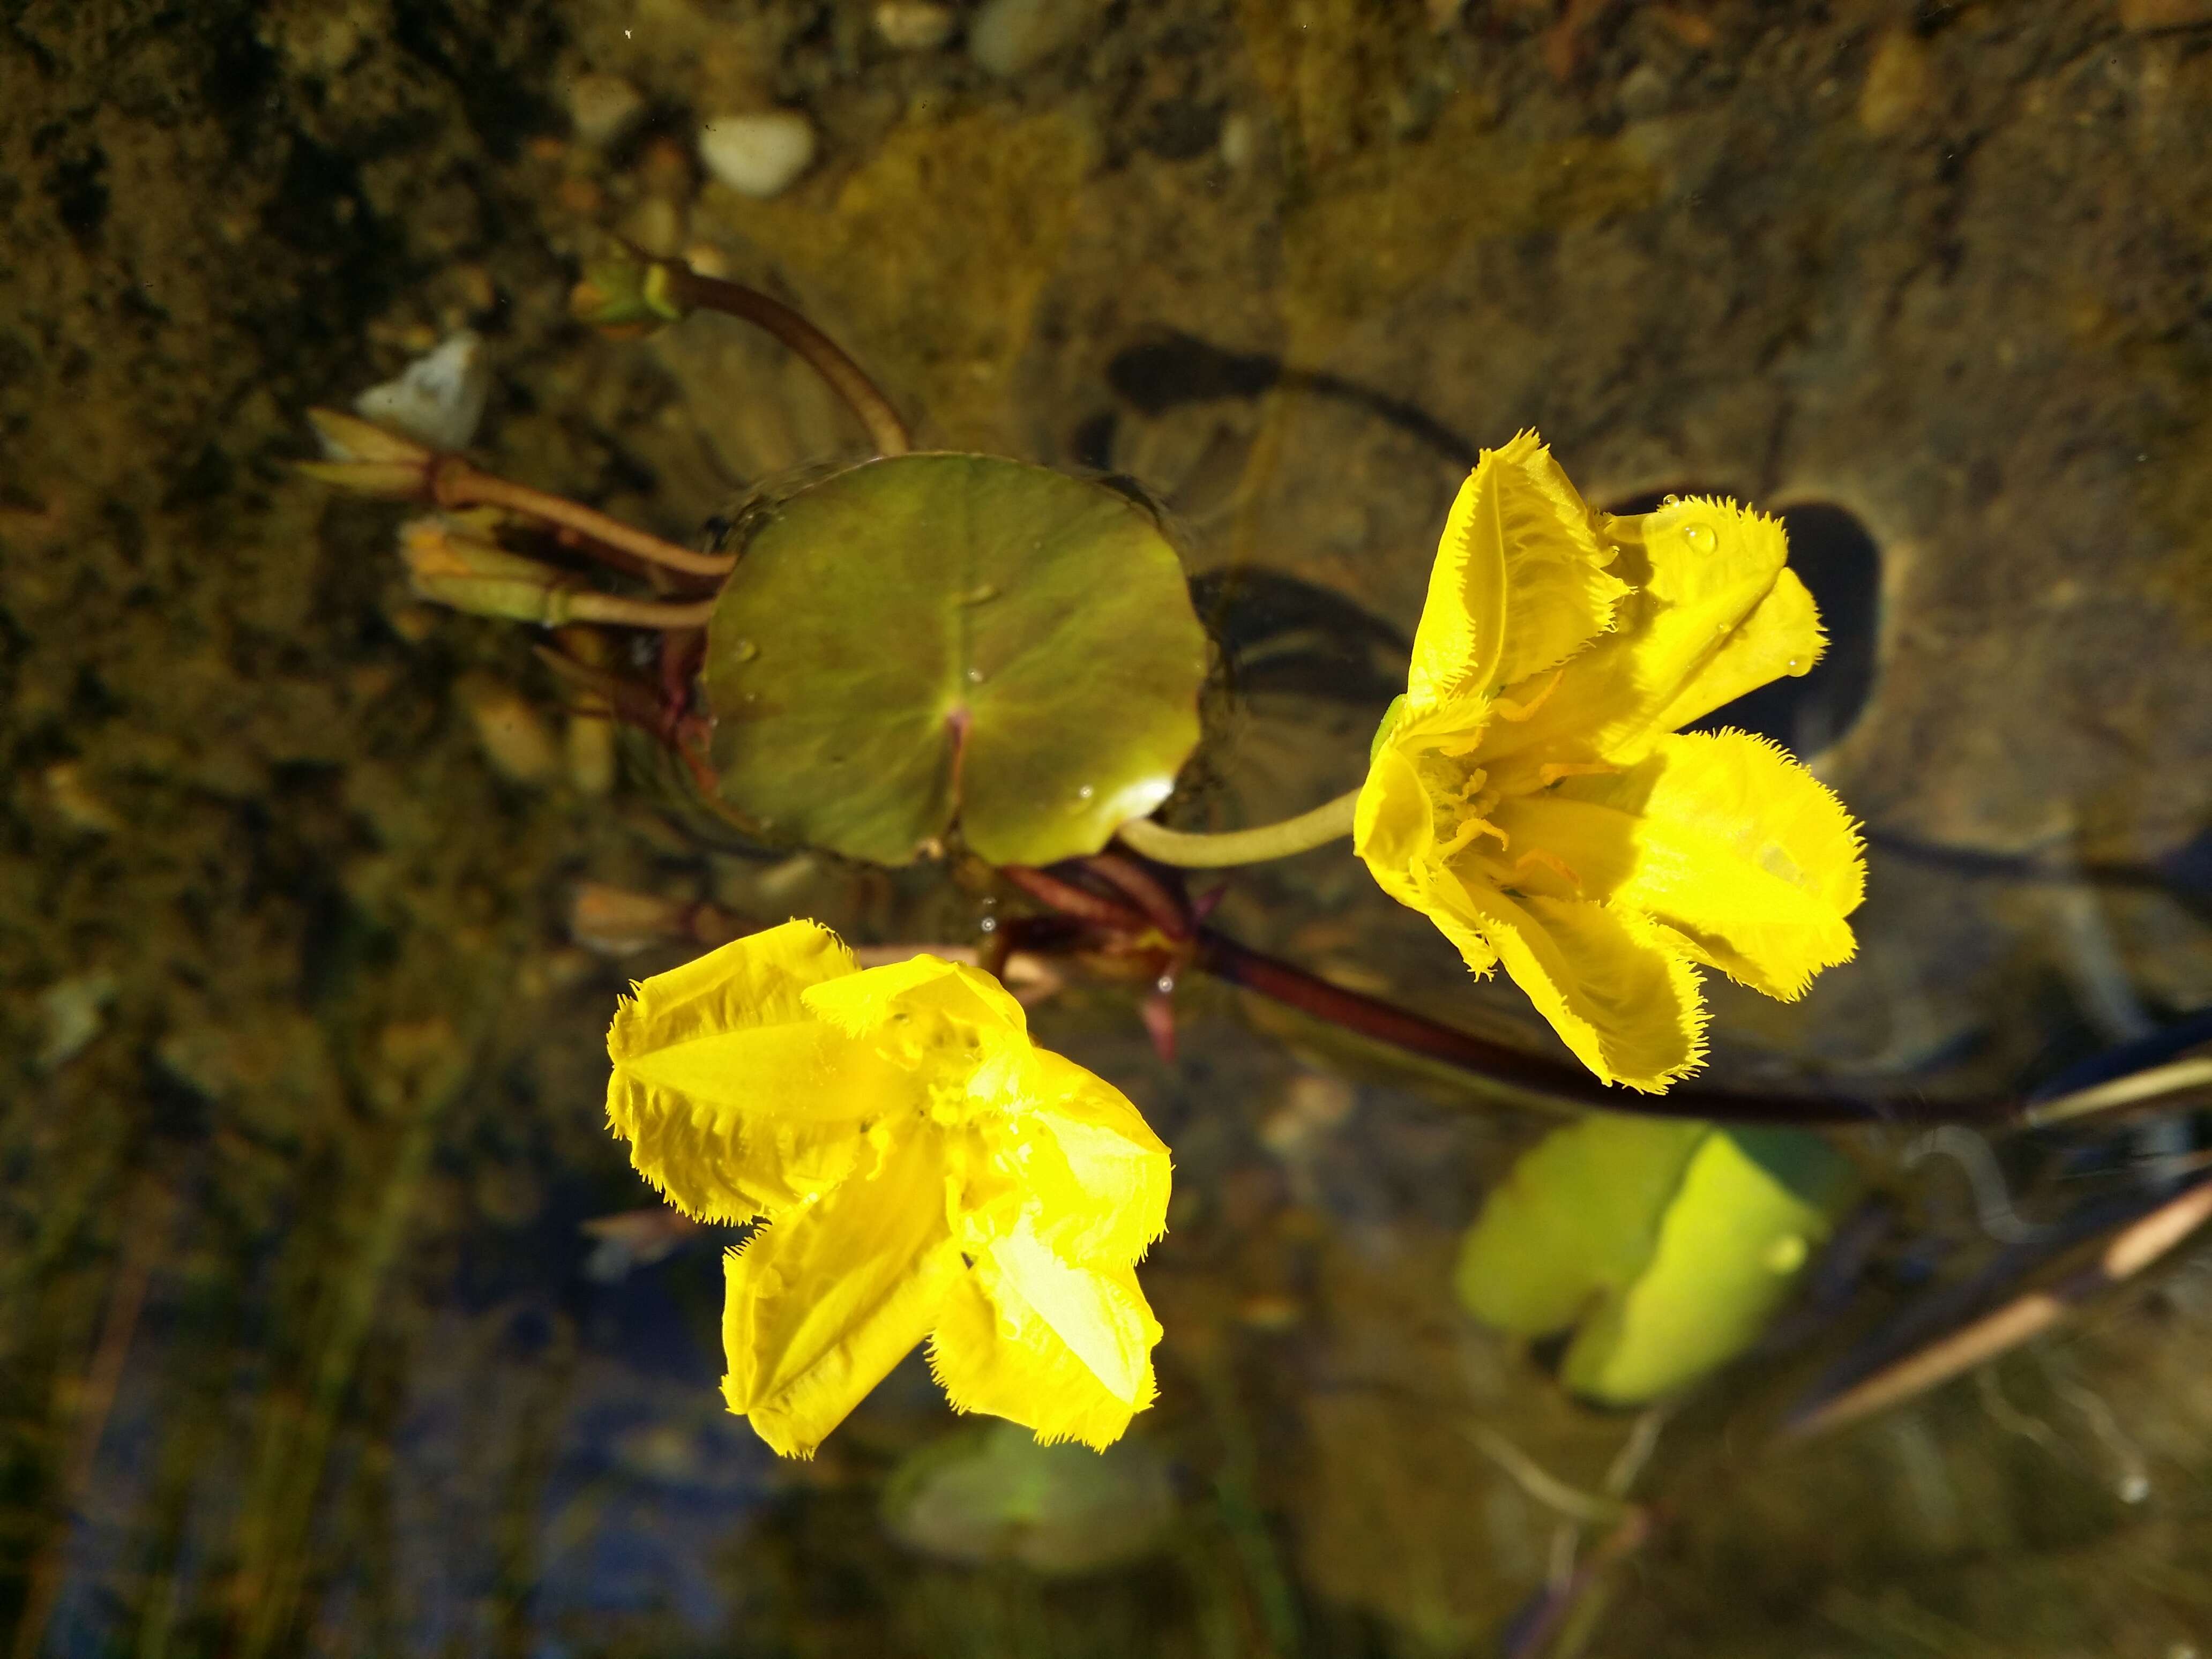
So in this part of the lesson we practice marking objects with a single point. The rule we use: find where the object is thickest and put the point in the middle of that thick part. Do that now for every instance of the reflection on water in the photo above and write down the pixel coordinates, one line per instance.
(334, 1328)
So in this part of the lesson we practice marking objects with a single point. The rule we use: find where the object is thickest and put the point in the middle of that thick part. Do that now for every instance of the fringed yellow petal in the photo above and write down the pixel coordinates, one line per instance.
(733, 1101)
(1781, 638)
(1392, 821)
(1614, 986)
(1707, 567)
(1519, 584)
(1066, 1351)
(754, 980)
(822, 1305)
(924, 987)
(1096, 1173)
(1748, 855)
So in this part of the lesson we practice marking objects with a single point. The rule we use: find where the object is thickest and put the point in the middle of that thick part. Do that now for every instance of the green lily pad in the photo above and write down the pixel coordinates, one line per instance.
(931, 640)
(1667, 1246)
(994, 1494)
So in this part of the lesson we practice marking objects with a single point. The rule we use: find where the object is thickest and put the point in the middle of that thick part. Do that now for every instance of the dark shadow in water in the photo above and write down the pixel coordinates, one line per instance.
(1179, 368)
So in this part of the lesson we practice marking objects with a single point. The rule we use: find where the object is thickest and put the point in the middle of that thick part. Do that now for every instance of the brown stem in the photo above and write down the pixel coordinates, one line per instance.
(824, 354)
(1143, 888)
(1072, 901)
(636, 613)
(1555, 1080)
(455, 483)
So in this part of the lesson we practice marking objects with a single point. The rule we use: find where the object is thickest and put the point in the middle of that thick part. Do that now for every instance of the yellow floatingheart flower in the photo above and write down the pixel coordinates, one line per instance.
(924, 1171)
(1531, 793)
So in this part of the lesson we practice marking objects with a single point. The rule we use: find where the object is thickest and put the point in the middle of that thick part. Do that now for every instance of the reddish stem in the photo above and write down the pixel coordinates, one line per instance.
(455, 483)
(1072, 901)
(1555, 1080)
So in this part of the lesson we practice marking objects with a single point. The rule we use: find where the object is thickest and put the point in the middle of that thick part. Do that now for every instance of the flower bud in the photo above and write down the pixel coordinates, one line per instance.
(450, 568)
(626, 296)
(363, 457)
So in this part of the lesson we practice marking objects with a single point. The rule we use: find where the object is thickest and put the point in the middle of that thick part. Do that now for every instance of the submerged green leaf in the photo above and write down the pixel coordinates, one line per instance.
(994, 1494)
(931, 639)
(1670, 1245)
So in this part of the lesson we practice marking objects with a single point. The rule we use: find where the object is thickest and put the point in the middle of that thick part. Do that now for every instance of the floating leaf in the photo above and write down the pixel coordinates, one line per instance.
(994, 1494)
(934, 639)
(1669, 1244)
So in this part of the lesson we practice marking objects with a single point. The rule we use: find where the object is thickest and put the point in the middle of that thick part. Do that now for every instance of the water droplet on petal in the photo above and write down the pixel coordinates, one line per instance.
(974, 676)
(1086, 793)
(1700, 537)
(745, 650)
(1165, 984)
(1669, 500)
(988, 925)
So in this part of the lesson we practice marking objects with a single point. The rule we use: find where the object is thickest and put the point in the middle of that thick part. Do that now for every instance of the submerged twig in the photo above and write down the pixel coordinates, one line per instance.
(2126, 1253)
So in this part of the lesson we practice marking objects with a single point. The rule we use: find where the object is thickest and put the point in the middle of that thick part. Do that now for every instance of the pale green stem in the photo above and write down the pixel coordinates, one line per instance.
(1329, 821)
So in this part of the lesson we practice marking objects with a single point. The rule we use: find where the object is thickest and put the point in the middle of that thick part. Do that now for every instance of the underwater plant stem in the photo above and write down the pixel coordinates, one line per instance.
(456, 483)
(1331, 821)
(636, 613)
(821, 354)
(1550, 1082)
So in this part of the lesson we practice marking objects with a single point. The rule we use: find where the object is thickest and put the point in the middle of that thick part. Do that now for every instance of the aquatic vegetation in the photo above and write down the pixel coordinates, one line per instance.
(994, 1494)
(945, 655)
(1665, 1247)
(922, 1170)
(1532, 794)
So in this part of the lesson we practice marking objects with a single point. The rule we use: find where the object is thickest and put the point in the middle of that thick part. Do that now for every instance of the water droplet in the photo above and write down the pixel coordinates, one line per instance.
(745, 650)
(1163, 984)
(981, 593)
(1086, 793)
(988, 925)
(1795, 664)
(974, 676)
(1700, 537)
(1669, 500)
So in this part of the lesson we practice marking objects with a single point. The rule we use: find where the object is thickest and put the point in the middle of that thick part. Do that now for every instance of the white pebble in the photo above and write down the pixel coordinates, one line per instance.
(1010, 37)
(439, 399)
(603, 107)
(757, 155)
(914, 24)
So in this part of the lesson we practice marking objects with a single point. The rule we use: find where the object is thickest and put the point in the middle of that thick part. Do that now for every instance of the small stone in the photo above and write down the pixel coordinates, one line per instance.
(440, 397)
(914, 24)
(514, 740)
(1239, 142)
(1898, 83)
(604, 107)
(1010, 37)
(758, 156)
(74, 1011)
(76, 803)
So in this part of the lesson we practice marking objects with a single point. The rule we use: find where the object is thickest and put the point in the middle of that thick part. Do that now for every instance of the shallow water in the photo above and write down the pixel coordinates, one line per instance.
(309, 1348)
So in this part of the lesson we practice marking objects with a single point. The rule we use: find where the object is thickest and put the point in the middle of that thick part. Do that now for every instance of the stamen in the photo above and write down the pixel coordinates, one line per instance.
(1545, 859)
(1509, 710)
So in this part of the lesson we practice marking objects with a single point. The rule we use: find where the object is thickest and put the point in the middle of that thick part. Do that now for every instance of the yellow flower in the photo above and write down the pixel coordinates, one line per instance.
(1531, 795)
(924, 1172)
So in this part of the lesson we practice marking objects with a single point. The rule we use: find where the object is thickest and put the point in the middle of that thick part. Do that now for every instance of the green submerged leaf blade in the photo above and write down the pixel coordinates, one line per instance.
(1751, 1208)
(1578, 1218)
(934, 637)
(1665, 1246)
